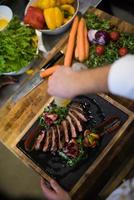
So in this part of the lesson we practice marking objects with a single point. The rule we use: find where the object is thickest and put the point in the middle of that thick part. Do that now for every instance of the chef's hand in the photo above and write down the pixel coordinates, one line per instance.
(64, 83)
(53, 191)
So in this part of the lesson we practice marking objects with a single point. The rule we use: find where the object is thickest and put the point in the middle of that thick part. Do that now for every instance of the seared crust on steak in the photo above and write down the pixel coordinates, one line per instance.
(48, 140)
(39, 140)
(72, 127)
(79, 114)
(76, 121)
(64, 123)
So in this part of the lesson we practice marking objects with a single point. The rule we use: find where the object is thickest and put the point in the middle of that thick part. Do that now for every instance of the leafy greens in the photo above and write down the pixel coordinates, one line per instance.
(17, 46)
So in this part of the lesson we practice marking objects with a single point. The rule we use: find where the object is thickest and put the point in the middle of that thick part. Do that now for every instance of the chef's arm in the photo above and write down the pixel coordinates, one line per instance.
(116, 78)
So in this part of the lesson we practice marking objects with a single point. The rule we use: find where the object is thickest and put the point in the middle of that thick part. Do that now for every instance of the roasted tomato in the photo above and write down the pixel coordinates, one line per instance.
(123, 51)
(90, 139)
(100, 50)
(35, 18)
(114, 35)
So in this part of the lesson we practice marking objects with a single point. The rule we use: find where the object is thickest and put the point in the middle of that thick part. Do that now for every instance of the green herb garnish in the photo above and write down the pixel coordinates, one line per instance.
(54, 109)
(72, 162)
(94, 22)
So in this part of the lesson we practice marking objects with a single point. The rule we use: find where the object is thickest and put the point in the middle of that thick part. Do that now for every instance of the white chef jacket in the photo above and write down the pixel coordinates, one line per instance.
(121, 77)
(124, 192)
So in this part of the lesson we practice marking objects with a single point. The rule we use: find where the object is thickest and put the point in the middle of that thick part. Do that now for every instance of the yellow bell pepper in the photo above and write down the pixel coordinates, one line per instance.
(54, 17)
(67, 19)
(43, 4)
(70, 10)
(67, 1)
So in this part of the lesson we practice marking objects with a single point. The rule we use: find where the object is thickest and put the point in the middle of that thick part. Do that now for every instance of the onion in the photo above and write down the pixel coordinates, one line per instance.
(91, 35)
(102, 37)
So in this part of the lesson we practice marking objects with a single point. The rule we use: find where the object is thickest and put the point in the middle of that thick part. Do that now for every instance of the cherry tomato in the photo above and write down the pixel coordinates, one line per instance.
(114, 35)
(100, 50)
(123, 51)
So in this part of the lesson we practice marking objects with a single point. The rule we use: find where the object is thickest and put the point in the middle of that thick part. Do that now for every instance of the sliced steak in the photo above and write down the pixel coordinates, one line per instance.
(48, 140)
(76, 106)
(64, 123)
(60, 144)
(39, 140)
(79, 114)
(76, 121)
(54, 139)
(72, 127)
(62, 136)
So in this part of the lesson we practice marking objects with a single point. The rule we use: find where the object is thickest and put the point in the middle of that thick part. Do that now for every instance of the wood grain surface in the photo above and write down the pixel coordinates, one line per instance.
(16, 119)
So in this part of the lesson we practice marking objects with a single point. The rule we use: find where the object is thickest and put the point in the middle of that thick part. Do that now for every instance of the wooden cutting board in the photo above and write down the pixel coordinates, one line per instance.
(15, 119)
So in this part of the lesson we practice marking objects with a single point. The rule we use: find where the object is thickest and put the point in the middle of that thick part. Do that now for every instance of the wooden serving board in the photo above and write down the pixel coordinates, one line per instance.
(16, 119)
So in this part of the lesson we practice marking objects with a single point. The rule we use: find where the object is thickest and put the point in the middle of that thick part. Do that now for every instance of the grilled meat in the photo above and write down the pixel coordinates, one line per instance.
(54, 139)
(76, 121)
(39, 140)
(65, 129)
(57, 136)
(79, 114)
(48, 141)
(72, 127)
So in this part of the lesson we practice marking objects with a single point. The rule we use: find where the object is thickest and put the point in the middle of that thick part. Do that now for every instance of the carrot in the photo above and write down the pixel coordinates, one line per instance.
(86, 43)
(47, 72)
(76, 48)
(81, 40)
(71, 43)
(76, 52)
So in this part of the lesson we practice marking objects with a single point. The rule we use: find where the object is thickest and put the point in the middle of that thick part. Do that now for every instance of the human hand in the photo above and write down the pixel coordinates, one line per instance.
(53, 191)
(64, 83)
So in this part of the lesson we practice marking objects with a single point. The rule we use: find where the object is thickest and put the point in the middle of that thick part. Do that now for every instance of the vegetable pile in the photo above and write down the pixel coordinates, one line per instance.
(18, 46)
(49, 14)
(107, 44)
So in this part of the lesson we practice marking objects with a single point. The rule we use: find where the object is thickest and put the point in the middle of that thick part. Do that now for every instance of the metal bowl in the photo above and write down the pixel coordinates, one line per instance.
(62, 28)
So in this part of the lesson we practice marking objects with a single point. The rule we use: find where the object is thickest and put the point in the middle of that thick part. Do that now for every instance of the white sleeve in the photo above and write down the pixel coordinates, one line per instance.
(121, 77)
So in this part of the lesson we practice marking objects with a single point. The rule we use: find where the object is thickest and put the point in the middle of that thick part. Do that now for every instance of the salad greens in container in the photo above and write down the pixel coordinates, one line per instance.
(18, 48)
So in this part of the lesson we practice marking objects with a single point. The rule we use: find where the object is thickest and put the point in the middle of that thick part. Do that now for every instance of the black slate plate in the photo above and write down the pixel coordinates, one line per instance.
(98, 109)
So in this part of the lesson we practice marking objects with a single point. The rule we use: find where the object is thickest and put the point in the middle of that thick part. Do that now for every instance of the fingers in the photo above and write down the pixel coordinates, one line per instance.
(47, 190)
(53, 191)
(55, 186)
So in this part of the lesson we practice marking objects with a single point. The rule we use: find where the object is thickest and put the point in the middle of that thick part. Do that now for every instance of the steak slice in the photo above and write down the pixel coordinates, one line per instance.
(64, 123)
(60, 144)
(72, 127)
(48, 140)
(54, 139)
(79, 114)
(76, 121)
(62, 136)
(76, 106)
(39, 140)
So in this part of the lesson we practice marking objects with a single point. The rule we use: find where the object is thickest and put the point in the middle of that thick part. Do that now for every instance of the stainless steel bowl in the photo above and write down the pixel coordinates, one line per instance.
(62, 28)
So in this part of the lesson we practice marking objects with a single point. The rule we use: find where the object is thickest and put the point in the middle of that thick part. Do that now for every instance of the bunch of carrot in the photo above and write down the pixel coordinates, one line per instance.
(78, 44)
